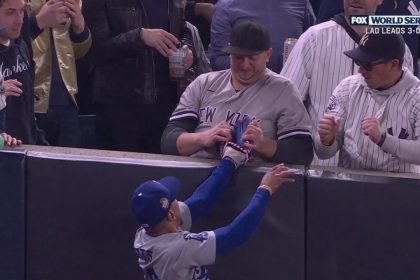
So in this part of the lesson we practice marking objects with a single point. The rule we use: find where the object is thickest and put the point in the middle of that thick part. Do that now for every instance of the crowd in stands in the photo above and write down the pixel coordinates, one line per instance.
(117, 60)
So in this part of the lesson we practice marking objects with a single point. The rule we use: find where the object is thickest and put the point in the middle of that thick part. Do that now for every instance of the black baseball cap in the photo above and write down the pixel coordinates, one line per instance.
(373, 47)
(248, 37)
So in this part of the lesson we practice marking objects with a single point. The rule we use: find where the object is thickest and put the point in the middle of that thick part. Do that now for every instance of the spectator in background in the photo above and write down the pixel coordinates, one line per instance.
(133, 92)
(317, 63)
(283, 18)
(200, 13)
(373, 118)
(315, 5)
(199, 9)
(16, 68)
(7, 88)
(60, 36)
(329, 9)
(202, 64)
(214, 102)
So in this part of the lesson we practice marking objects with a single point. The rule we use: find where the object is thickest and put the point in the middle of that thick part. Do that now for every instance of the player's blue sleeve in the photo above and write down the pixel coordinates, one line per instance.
(210, 190)
(241, 229)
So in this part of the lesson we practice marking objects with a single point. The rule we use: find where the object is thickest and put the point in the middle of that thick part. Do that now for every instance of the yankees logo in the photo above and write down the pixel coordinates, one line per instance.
(364, 39)
(333, 103)
(201, 273)
(403, 133)
(412, 8)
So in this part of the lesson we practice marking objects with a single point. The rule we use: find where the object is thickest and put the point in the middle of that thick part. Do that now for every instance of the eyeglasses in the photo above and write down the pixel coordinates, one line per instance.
(369, 65)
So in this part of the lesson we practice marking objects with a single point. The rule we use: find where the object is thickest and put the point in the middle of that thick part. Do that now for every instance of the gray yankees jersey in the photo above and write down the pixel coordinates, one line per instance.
(398, 110)
(316, 66)
(272, 101)
(176, 256)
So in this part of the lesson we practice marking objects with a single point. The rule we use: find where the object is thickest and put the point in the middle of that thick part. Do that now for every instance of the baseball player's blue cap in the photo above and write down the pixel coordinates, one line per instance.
(152, 199)
(375, 46)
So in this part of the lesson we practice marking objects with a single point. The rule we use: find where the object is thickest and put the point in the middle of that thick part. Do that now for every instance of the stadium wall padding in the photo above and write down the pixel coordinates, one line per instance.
(65, 214)
(12, 215)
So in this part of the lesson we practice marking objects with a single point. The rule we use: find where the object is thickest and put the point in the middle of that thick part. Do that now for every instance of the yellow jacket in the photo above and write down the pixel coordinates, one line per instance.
(67, 53)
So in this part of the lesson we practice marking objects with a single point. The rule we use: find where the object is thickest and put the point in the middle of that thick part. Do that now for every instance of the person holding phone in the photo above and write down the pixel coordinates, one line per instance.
(60, 36)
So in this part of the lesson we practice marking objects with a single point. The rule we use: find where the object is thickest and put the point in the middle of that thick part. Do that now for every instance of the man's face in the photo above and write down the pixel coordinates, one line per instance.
(246, 69)
(11, 17)
(380, 75)
(361, 7)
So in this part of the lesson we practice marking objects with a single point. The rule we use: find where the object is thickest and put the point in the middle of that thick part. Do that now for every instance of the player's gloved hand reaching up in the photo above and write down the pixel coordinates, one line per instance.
(235, 153)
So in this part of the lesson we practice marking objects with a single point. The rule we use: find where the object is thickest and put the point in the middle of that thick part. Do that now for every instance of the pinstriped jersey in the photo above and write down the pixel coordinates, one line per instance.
(272, 101)
(398, 110)
(316, 66)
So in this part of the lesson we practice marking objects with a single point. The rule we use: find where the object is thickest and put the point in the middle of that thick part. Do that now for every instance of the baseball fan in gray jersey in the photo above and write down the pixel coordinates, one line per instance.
(165, 247)
(214, 102)
(373, 118)
(317, 64)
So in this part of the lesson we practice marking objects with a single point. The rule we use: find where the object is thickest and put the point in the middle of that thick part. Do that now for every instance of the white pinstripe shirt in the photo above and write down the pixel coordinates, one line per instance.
(316, 66)
(398, 110)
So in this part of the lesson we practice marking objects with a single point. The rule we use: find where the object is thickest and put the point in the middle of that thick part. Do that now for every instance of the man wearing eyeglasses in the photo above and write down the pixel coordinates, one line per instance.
(373, 117)
(317, 64)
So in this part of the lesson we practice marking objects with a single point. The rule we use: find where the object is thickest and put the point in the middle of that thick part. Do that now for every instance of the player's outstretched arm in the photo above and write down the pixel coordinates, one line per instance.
(204, 197)
(212, 188)
(244, 225)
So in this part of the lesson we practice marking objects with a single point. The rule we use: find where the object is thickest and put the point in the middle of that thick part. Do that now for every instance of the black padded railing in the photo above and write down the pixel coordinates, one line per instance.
(71, 218)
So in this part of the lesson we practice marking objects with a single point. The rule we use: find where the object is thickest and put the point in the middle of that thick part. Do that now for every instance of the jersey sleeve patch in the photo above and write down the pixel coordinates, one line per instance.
(198, 249)
(201, 237)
